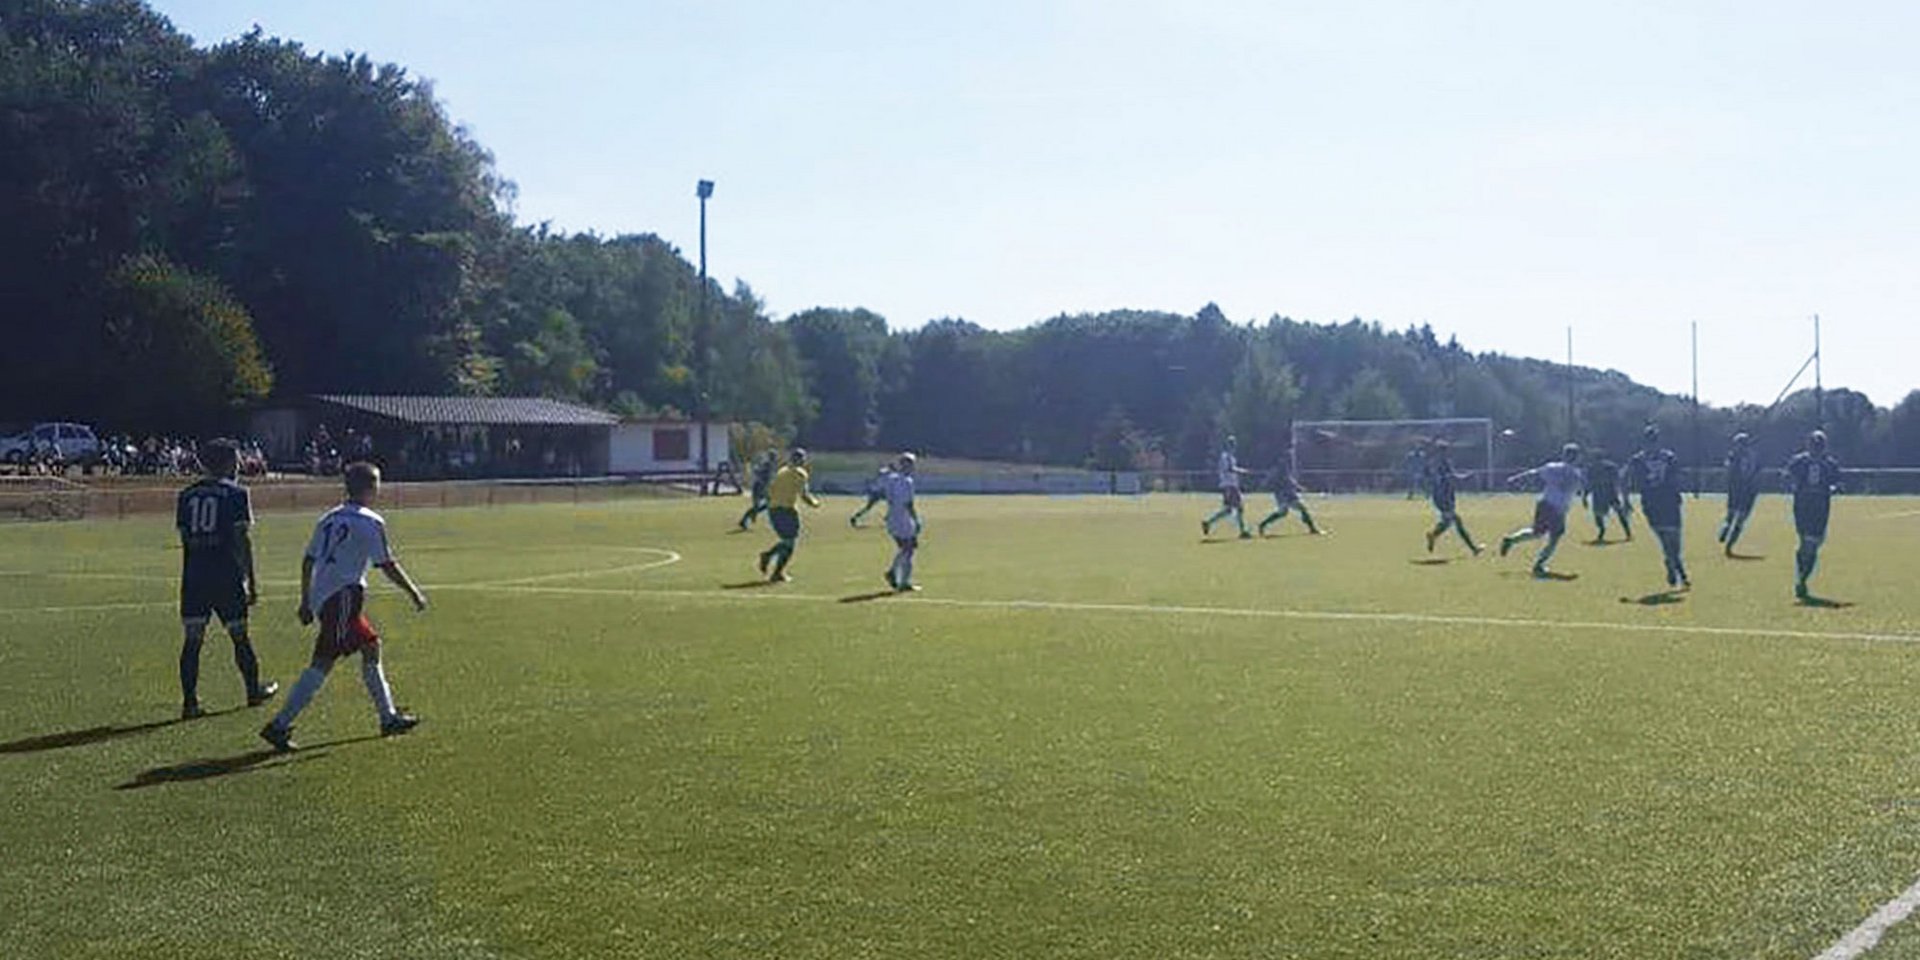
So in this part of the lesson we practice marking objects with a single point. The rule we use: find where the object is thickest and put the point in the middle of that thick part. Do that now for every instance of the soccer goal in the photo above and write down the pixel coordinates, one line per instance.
(1387, 456)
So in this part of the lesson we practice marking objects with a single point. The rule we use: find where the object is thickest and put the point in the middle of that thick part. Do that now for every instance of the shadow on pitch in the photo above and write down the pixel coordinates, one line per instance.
(1745, 557)
(1661, 599)
(1551, 576)
(1430, 561)
(869, 597)
(748, 585)
(1607, 543)
(1822, 603)
(81, 738)
(194, 771)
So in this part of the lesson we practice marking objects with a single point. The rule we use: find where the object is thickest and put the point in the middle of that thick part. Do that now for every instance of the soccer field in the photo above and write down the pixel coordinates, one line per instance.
(1093, 735)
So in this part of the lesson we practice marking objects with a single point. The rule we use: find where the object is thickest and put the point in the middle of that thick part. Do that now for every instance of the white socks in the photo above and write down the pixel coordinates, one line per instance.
(302, 694)
(376, 678)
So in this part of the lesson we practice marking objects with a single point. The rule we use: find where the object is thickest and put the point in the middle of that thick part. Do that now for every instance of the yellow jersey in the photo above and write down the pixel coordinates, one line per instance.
(789, 487)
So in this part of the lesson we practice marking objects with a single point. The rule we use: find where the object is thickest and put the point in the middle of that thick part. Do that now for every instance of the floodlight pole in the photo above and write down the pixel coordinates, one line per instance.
(1699, 455)
(1819, 387)
(703, 189)
(1569, 383)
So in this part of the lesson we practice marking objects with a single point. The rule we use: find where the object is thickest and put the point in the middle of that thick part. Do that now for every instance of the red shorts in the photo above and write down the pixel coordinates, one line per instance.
(344, 627)
(1547, 521)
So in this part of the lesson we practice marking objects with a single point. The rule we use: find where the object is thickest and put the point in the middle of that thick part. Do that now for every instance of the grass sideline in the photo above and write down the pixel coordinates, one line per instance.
(675, 762)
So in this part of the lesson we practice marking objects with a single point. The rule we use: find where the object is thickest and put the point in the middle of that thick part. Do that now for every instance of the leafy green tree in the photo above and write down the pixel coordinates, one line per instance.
(178, 350)
(841, 352)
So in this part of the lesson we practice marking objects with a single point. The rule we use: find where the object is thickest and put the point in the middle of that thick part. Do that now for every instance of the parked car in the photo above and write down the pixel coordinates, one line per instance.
(75, 442)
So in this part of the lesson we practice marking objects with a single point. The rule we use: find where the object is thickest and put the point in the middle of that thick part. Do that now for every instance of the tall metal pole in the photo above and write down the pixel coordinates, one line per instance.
(1699, 454)
(1569, 382)
(1819, 386)
(704, 190)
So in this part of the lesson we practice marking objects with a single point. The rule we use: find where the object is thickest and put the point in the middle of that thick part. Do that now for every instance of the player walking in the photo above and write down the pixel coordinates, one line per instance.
(1743, 487)
(215, 517)
(763, 467)
(903, 524)
(1286, 497)
(1604, 496)
(333, 582)
(876, 493)
(1561, 481)
(1815, 478)
(1654, 471)
(790, 486)
(1231, 501)
(1442, 489)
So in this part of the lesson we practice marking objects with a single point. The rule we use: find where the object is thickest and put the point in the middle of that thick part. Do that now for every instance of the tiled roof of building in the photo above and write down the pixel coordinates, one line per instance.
(475, 411)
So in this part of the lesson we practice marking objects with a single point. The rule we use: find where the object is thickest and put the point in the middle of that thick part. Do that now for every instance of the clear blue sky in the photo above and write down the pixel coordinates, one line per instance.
(1499, 170)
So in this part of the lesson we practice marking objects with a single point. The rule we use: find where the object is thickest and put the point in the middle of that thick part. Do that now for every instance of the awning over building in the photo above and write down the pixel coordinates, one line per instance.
(473, 411)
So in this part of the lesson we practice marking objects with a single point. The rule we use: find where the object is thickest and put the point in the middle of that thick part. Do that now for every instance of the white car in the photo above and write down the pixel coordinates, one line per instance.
(76, 443)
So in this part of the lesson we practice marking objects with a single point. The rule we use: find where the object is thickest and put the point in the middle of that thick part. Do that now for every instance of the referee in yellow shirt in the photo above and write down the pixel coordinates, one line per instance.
(790, 486)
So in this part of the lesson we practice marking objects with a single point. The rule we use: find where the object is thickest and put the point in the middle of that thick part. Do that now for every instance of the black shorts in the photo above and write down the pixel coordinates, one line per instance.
(1230, 497)
(1547, 520)
(1810, 518)
(208, 593)
(786, 522)
(1661, 513)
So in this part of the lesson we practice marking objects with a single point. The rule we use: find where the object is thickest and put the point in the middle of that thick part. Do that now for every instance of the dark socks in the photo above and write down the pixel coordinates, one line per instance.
(190, 671)
(248, 663)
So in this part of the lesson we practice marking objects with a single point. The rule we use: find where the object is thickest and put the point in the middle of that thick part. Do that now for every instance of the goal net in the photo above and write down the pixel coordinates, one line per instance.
(1388, 456)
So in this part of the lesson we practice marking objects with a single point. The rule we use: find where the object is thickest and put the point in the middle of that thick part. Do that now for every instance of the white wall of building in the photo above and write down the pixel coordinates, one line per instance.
(670, 447)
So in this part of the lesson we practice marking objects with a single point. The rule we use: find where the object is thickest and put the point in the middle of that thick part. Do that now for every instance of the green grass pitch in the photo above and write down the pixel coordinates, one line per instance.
(1092, 736)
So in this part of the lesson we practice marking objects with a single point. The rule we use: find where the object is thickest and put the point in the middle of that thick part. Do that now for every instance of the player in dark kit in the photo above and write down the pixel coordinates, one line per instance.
(214, 516)
(1655, 473)
(1743, 487)
(1441, 489)
(762, 476)
(1603, 495)
(1815, 477)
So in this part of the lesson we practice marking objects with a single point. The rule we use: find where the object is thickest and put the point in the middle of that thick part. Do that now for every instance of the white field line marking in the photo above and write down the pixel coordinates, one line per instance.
(667, 558)
(1255, 613)
(92, 607)
(1900, 515)
(1867, 935)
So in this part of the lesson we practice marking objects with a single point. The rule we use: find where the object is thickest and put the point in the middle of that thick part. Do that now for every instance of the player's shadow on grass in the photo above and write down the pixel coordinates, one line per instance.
(748, 585)
(1661, 599)
(870, 597)
(1745, 557)
(1822, 603)
(1430, 561)
(90, 735)
(1551, 576)
(193, 771)
(1606, 543)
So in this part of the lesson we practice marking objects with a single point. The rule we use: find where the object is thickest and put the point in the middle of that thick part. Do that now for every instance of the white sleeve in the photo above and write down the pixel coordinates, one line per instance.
(316, 543)
(379, 554)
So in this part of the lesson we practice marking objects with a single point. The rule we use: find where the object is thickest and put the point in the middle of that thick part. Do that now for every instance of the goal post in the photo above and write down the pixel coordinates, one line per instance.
(1376, 456)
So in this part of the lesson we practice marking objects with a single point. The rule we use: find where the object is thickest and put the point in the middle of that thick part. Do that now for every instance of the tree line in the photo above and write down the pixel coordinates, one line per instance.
(190, 231)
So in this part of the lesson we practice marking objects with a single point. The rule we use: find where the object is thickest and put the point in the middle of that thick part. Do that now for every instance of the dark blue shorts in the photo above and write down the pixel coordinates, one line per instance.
(786, 522)
(1810, 517)
(213, 592)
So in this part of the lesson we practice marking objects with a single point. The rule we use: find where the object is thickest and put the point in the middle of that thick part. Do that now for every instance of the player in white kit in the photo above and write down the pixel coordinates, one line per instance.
(333, 583)
(1232, 503)
(1561, 482)
(903, 523)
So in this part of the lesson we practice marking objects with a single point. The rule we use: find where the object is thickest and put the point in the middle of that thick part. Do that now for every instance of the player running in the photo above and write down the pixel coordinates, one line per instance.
(790, 486)
(1560, 481)
(215, 517)
(1815, 477)
(1287, 497)
(1743, 487)
(333, 582)
(903, 524)
(1231, 501)
(1603, 495)
(876, 493)
(1655, 473)
(763, 467)
(1442, 488)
